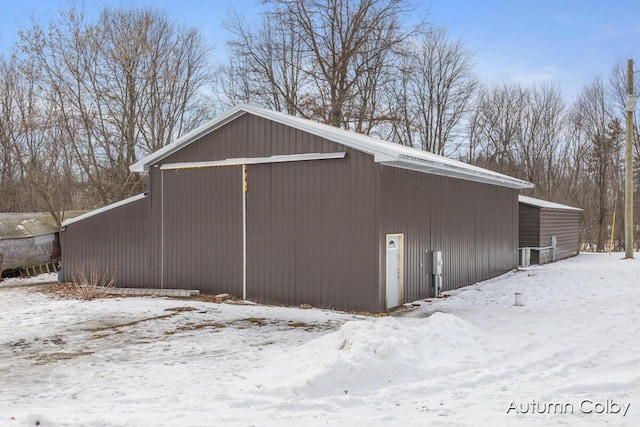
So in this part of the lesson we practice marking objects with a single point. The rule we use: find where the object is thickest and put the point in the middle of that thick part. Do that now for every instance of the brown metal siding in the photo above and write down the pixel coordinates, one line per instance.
(537, 225)
(251, 136)
(311, 225)
(311, 233)
(115, 240)
(474, 224)
(529, 229)
(565, 225)
(201, 229)
(316, 229)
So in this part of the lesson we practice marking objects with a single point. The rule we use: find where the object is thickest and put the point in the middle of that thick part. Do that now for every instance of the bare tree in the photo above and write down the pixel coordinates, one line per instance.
(32, 141)
(599, 134)
(522, 131)
(433, 93)
(324, 60)
(497, 127)
(123, 86)
(10, 171)
(542, 144)
(267, 63)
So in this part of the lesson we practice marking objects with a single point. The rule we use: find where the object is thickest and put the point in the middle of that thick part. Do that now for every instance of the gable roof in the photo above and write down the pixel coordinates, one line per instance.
(544, 204)
(384, 152)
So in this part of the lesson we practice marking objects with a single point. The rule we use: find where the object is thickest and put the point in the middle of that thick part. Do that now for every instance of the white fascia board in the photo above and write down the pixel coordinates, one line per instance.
(255, 160)
(104, 209)
(385, 158)
(545, 204)
(470, 174)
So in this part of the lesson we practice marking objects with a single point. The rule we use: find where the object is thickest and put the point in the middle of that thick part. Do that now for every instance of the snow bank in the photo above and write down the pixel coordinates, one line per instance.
(368, 355)
(36, 280)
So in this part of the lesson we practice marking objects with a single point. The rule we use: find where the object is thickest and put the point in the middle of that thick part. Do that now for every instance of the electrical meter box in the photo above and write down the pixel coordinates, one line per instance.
(437, 263)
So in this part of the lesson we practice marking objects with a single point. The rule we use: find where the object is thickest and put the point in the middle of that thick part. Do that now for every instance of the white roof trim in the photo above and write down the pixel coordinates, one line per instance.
(255, 160)
(385, 152)
(455, 171)
(104, 209)
(544, 204)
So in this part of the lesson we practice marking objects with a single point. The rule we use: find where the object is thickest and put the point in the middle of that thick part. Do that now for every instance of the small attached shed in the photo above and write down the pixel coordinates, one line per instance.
(283, 210)
(550, 231)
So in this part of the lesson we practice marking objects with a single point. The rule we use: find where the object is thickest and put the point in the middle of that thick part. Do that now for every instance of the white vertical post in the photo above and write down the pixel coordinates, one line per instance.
(244, 231)
(519, 300)
(161, 229)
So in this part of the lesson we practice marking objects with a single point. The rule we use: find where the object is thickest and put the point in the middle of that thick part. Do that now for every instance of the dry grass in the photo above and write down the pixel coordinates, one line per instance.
(94, 284)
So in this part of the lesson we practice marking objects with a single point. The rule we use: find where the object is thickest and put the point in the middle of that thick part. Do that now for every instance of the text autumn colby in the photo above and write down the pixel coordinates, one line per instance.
(585, 406)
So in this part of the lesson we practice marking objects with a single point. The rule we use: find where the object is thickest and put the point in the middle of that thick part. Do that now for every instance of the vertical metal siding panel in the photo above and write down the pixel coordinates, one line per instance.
(347, 269)
(115, 240)
(316, 235)
(529, 226)
(154, 212)
(416, 247)
(529, 229)
(202, 229)
(473, 224)
(565, 225)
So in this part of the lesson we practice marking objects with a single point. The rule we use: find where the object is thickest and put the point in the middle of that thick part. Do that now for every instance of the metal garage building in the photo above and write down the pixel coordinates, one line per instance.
(551, 230)
(284, 210)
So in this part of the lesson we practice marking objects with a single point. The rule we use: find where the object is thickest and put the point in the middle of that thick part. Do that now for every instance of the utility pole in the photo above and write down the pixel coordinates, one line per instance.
(628, 185)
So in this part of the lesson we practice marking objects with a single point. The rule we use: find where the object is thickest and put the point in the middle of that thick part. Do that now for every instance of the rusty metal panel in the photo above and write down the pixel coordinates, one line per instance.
(201, 229)
(115, 240)
(474, 224)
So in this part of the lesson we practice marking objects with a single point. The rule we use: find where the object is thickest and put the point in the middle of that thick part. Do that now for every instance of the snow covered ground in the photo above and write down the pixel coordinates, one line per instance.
(471, 359)
(18, 281)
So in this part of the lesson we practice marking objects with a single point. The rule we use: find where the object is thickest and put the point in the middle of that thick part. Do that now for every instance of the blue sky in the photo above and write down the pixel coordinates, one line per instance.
(564, 41)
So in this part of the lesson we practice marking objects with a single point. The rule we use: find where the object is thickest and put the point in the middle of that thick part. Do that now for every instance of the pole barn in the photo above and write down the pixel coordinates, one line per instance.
(283, 210)
(550, 230)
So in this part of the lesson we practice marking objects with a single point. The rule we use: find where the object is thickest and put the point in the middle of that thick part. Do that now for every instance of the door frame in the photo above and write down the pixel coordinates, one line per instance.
(399, 237)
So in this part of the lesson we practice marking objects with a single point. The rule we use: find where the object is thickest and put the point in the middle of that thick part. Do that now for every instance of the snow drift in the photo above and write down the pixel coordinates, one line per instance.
(363, 356)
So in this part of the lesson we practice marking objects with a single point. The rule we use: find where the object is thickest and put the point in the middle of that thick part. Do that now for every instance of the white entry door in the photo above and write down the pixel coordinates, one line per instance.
(395, 262)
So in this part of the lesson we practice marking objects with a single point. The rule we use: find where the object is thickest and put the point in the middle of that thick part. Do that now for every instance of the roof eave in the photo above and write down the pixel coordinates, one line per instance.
(103, 209)
(456, 172)
(546, 204)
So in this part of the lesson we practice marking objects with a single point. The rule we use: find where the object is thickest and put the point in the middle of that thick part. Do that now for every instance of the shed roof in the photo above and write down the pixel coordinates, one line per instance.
(384, 152)
(544, 204)
(23, 225)
(103, 209)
